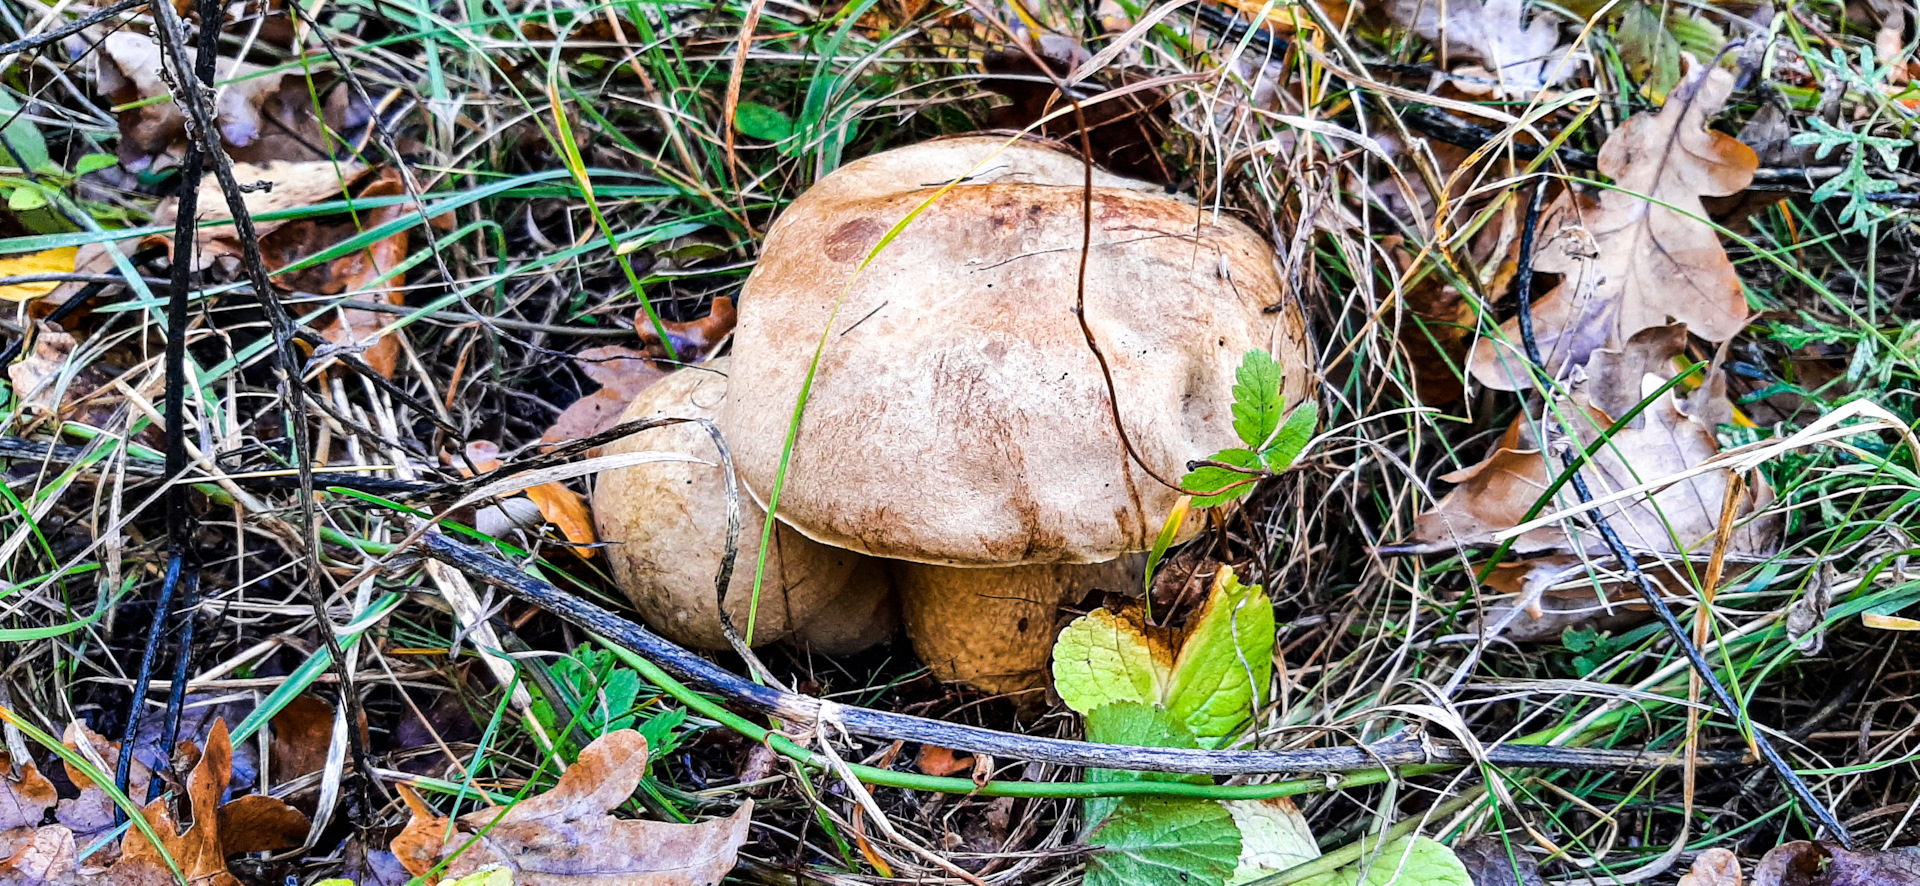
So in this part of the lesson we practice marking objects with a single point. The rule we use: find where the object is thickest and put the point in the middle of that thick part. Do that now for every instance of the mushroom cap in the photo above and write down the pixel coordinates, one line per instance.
(958, 416)
(994, 628)
(667, 523)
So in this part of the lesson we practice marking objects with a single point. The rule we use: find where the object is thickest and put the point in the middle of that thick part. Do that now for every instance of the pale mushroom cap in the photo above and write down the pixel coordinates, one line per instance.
(994, 628)
(958, 416)
(666, 524)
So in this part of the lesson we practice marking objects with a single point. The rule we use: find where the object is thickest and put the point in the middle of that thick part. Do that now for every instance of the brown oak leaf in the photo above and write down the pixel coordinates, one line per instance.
(1639, 256)
(1822, 864)
(565, 837)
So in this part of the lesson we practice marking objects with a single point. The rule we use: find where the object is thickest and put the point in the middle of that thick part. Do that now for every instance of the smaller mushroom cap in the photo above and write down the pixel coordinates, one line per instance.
(666, 525)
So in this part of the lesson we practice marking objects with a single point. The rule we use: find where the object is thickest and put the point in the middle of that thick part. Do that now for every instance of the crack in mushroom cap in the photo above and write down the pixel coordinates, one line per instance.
(958, 416)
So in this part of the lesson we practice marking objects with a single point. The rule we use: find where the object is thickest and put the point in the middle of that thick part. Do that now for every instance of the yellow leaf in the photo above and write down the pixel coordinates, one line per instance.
(491, 875)
(1889, 622)
(52, 261)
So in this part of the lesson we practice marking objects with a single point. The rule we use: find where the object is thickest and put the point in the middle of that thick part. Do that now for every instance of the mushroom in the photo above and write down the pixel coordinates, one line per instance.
(959, 420)
(667, 525)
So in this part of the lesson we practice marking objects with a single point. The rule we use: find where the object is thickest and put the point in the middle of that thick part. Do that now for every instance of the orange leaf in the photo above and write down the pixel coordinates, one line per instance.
(564, 508)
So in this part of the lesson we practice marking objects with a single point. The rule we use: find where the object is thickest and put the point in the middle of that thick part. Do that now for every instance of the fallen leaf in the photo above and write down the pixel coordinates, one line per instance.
(47, 856)
(51, 261)
(693, 341)
(254, 823)
(567, 510)
(25, 796)
(1494, 862)
(1274, 836)
(1821, 864)
(91, 813)
(1714, 867)
(1627, 263)
(360, 272)
(565, 837)
(1545, 611)
(1672, 436)
(1518, 57)
(941, 762)
(302, 733)
(52, 381)
(622, 373)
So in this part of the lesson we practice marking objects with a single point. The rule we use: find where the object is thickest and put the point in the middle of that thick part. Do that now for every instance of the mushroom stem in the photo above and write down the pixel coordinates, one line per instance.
(993, 627)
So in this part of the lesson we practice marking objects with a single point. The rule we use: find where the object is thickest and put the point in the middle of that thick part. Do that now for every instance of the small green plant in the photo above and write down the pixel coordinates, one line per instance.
(1855, 180)
(598, 695)
(1273, 436)
(1138, 685)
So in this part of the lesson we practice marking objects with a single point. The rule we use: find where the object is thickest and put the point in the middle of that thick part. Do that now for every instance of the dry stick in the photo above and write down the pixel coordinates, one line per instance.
(904, 727)
(1674, 630)
(36, 41)
(196, 102)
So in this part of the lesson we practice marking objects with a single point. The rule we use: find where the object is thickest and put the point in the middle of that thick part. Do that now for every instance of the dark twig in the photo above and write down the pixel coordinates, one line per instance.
(69, 29)
(1648, 592)
(182, 659)
(884, 725)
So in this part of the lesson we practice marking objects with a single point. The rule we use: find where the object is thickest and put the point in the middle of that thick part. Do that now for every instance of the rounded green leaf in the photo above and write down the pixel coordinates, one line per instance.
(1102, 658)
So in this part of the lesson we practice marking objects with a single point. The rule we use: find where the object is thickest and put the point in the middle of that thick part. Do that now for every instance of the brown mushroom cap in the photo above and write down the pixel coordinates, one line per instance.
(667, 523)
(958, 416)
(994, 628)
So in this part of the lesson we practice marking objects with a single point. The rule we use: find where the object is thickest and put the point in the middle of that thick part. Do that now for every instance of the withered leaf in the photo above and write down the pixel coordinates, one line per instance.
(130, 72)
(1672, 437)
(1803, 863)
(25, 795)
(565, 837)
(694, 340)
(260, 823)
(358, 272)
(1518, 56)
(302, 733)
(622, 373)
(1715, 867)
(1490, 862)
(1627, 262)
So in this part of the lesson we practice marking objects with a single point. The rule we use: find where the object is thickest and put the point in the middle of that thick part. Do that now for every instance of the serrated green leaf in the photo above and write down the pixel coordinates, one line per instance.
(1221, 674)
(1408, 861)
(1140, 725)
(1154, 841)
(1102, 658)
(1257, 401)
(1274, 836)
(763, 122)
(1292, 437)
(1214, 486)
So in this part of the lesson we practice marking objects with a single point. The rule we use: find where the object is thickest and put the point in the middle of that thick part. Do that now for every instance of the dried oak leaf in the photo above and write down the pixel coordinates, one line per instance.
(622, 373)
(48, 381)
(273, 188)
(693, 341)
(253, 823)
(1803, 863)
(1674, 435)
(302, 734)
(1627, 263)
(565, 837)
(357, 272)
(1125, 133)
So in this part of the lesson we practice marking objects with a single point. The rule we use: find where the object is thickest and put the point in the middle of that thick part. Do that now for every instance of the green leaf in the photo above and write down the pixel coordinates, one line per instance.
(94, 163)
(1154, 841)
(1140, 725)
(25, 198)
(1257, 401)
(1214, 486)
(23, 138)
(756, 120)
(1274, 836)
(1103, 658)
(1415, 861)
(1224, 666)
(1292, 437)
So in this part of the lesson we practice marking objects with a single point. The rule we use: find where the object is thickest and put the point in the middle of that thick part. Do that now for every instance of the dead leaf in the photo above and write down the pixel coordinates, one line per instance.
(25, 796)
(302, 732)
(1821, 864)
(51, 261)
(622, 373)
(1517, 57)
(47, 856)
(92, 812)
(250, 824)
(1682, 519)
(565, 837)
(1489, 862)
(693, 341)
(938, 761)
(48, 383)
(1547, 610)
(1626, 263)
(1714, 867)
(359, 272)
(153, 134)
(568, 512)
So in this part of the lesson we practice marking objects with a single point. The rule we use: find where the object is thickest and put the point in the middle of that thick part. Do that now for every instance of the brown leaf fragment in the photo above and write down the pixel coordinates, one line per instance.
(1555, 593)
(1715, 867)
(259, 823)
(693, 341)
(302, 733)
(92, 811)
(1640, 256)
(201, 850)
(938, 761)
(59, 379)
(25, 796)
(1822, 864)
(48, 856)
(1518, 56)
(153, 134)
(622, 373)
(359, 273)
(565, 837)
(1125, 133)
(1682, 519)
(568, 512)
(1492, 862)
